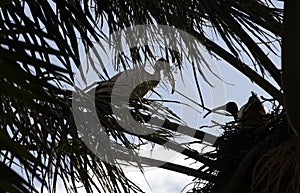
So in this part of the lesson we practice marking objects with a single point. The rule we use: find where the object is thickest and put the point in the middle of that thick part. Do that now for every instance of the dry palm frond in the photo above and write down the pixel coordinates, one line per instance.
(278, 170)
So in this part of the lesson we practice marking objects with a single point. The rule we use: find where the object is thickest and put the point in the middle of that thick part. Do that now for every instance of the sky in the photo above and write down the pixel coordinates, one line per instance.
(163, 181)
(236, 88)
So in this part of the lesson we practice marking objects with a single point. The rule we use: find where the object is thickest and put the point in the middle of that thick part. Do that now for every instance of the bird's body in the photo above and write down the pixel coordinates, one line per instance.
(129, 87)
(135, 83)
(252, 113)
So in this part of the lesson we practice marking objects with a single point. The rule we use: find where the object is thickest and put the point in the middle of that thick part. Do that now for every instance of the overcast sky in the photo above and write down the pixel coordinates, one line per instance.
(237, 88)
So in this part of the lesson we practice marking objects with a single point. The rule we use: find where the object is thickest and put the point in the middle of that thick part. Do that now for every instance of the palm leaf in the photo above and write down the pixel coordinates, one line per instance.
(40, 41)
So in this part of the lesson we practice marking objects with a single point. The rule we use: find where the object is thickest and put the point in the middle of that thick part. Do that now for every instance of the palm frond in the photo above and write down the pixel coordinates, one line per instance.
(40, 44)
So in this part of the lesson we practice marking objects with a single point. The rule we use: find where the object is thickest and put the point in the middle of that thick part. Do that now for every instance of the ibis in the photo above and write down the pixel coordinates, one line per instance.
(230, 107)
(130, 86)
(250, 114)
(136, 83)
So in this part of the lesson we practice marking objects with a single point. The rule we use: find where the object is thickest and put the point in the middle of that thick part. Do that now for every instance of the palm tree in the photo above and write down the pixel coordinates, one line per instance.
(40, 47)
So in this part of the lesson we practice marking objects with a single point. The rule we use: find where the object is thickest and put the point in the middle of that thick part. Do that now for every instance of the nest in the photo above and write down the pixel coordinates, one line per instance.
(258, 158)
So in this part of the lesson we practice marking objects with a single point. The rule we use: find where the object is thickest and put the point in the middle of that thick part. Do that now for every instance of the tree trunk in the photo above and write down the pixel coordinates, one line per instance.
(291, 62)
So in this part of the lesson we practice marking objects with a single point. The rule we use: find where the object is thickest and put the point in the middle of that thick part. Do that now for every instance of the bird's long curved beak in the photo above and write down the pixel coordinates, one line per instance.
(172, 81)
(223, 107)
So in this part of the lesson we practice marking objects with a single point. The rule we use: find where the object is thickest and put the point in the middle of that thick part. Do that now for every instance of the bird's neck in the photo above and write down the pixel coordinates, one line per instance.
(156, 73)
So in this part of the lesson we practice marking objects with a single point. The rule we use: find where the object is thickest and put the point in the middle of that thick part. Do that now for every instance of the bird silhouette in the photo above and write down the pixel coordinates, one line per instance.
(136, 83)
(250, 114)
(131, 86)
(230, 107)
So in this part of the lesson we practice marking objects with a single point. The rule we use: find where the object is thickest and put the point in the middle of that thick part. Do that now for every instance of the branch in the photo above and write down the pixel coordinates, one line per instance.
(168, 166)
(255, 50)
(243, 68)
(153, 137)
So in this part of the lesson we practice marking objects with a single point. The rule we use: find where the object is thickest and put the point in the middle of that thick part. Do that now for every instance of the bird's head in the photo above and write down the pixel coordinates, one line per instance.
(161, 64)
(232, 108)
(164, 66)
